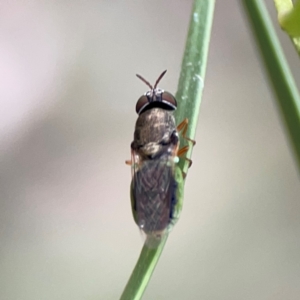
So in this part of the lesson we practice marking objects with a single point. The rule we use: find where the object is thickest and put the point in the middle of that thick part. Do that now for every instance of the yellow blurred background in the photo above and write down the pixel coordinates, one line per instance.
(68, 92)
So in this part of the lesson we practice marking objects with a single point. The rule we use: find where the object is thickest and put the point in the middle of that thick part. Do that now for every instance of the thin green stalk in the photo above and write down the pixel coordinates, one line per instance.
(189, 98)
(281, 79)
(142, 272)
(193, 68)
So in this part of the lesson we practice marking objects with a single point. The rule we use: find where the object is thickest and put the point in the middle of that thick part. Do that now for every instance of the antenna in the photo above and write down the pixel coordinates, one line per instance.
(159, 78)
(144, 80)
(157, 81)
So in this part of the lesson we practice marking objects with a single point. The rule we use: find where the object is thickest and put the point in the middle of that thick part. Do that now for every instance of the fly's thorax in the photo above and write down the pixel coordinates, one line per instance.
(153, 131)
(150, 149)
(157, 151)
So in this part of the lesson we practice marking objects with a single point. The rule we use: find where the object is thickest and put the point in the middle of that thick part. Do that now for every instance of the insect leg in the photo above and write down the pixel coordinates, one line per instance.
(182, 151)
(131, 162)
(183, 126)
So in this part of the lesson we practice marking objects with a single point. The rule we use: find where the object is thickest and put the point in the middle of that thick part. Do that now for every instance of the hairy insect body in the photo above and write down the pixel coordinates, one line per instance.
(155, 134)
(157, 182)
(154, 186)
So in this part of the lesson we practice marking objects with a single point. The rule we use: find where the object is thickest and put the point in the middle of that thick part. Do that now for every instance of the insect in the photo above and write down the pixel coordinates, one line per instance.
(157, 182)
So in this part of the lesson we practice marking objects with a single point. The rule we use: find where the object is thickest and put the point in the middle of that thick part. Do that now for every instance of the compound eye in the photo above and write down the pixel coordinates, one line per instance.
(142, 102)
(169, 99)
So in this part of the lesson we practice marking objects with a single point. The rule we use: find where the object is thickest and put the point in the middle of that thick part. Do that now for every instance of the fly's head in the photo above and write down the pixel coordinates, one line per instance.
(155, 97)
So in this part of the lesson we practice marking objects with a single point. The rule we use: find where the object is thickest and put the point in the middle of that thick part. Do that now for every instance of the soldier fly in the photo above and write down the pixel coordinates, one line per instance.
(157, 182)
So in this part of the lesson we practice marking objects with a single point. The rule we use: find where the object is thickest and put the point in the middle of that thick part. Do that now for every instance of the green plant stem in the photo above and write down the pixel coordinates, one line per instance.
(193, 68)
(277, 69)
(142, 272)
(189, 98)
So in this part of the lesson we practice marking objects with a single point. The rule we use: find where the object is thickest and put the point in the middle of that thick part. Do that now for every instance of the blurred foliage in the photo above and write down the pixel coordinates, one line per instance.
(278, 71)
(289, 20)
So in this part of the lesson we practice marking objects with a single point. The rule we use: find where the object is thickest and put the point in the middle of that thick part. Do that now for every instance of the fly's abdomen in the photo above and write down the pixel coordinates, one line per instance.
(154, 189)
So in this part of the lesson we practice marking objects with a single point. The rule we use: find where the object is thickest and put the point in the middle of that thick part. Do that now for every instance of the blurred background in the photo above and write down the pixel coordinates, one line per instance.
(68, 92)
